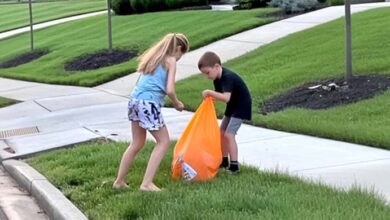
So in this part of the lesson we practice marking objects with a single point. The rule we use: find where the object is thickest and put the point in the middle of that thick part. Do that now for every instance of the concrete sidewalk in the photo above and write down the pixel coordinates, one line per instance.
(11, 33)
(67, 115)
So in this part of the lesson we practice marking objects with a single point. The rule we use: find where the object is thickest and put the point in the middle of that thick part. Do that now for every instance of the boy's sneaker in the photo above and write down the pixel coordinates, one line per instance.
(224, 166)
(234, 168)
(225, 163)
(237, 171)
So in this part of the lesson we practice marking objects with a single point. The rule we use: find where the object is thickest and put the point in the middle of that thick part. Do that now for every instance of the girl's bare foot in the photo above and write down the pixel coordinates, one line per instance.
(149, 188)
(121, 185)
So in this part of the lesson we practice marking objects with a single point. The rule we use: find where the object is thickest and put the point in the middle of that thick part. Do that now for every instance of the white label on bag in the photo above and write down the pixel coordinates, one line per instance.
(188, 172)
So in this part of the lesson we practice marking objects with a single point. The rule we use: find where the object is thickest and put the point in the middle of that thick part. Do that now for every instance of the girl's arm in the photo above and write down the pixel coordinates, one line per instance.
(222, 97)
(171, 65)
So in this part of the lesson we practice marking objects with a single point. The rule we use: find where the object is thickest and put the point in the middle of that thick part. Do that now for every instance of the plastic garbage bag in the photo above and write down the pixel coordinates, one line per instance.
(197, 154)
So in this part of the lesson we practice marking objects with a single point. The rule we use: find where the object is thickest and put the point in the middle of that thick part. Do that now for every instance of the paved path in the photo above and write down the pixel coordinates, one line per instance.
(11, 33)
(69, 114)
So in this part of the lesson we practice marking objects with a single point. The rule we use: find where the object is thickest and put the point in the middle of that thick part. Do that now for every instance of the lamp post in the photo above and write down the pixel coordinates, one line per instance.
(348, 44)
(31, 26)
(109, 26)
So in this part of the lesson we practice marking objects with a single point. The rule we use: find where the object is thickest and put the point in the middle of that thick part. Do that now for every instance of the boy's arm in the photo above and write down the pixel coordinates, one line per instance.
(222, 97)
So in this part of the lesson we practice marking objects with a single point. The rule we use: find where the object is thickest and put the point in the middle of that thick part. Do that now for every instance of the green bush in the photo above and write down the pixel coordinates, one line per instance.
(196, 2)
(141, 6)
(336, 2)
(294, 6)
(275, 3)
(175, 3)
(121, 7)
(248, 4)
(137, 6)
(153, 5)
(184, 3)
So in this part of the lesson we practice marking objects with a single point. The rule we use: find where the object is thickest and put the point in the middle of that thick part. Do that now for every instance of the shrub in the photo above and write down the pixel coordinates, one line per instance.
(275, 3)
(336, 2)
(196, 2)
(184, 3)
(153, 5)
(121, 7)
(295, 6)
(137, 6)
(248, 4)
(175, 3)
(141, 6)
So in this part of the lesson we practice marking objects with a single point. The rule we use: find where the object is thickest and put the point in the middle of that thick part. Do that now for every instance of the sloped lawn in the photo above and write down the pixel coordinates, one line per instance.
(85, 174)
(309, 56)
(14, 16)
(135, 33)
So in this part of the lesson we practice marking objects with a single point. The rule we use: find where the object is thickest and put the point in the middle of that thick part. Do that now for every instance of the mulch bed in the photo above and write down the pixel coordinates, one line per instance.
(329, 93)
(23, 58)
(100, 59)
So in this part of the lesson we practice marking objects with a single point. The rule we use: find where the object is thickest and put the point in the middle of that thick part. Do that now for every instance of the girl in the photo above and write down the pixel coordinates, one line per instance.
(158, 68)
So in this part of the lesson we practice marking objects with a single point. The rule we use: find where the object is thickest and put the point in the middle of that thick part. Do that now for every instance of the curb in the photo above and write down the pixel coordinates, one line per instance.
(2, 215)
(55, 204)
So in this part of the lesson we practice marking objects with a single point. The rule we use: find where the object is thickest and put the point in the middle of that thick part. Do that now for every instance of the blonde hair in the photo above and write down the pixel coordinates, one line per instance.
(160, 51)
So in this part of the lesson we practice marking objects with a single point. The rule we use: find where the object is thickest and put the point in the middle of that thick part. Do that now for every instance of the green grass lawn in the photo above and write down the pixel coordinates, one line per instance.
(313, 55)
(6, 102)
(17, 15)
(85, 174)
(135, 32)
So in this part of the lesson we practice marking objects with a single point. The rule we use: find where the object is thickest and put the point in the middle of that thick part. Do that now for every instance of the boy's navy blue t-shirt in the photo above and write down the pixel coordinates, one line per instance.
(240, 103)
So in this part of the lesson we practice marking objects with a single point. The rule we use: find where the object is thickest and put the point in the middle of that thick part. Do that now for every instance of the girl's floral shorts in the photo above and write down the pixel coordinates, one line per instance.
(147, 112)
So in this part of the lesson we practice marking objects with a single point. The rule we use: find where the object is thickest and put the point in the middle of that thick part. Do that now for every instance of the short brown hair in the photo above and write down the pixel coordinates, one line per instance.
(209, 59)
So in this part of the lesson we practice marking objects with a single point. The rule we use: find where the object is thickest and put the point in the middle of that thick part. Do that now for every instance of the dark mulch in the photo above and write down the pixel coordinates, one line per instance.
(100, 59)
(329, 93)
(23, 58)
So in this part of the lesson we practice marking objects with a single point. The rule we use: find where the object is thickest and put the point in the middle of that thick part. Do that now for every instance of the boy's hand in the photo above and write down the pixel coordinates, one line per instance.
(179, 106)
(206, 93)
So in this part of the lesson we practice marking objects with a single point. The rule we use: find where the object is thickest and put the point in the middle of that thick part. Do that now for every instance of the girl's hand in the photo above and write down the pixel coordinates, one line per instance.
(179, 106)
(206, 93)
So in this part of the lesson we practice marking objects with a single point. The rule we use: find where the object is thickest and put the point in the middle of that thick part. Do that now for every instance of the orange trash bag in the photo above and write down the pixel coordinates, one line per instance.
(197, 154)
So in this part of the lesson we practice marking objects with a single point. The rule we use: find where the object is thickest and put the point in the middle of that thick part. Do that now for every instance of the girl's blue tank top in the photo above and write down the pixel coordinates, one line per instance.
(152, 86)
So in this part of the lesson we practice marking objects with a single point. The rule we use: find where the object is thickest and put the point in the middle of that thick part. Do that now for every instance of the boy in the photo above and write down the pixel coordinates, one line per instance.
(231, 89)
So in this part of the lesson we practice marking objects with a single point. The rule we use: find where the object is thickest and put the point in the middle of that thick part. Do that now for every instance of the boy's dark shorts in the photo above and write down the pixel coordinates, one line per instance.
(230, 124)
